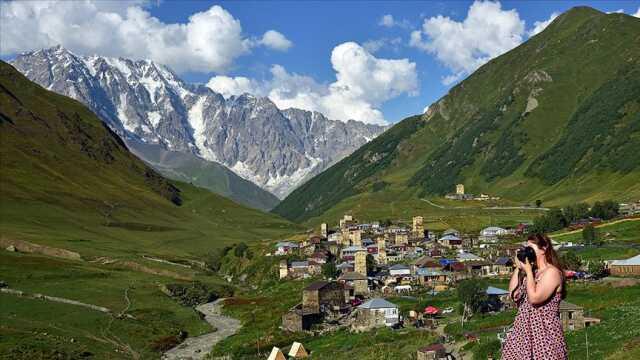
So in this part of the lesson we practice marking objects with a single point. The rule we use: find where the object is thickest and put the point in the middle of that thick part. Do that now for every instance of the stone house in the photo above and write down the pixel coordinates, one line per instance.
(286, 247)
(320, 256)
(457, 270)
(323, 296)
(303, 269)
(376, 313)
(479, 268)
(318, 300)
(503, 266)
(572, 317)
(356, 280)
(435, 278)
(450, 241)
(399, 270)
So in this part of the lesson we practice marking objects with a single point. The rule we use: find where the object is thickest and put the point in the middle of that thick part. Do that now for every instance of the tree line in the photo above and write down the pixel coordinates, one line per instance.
(559, 218)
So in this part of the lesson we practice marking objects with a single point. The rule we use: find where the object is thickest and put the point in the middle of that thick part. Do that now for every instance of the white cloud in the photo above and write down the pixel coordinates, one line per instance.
(637, 14)
(376, 45)
(209, 41)
(389, 21)
(276, 41)
(426, 108)
(619, 11)
(538, 26)
(486, 32)
(363, 83)
(386, 21)
(228, 86)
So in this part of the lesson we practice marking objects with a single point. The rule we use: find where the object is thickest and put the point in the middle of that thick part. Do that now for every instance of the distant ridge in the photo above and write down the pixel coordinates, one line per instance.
(556, 119)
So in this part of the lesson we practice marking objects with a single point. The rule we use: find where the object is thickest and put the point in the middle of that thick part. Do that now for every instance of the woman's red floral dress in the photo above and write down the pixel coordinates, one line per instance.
(537, 331)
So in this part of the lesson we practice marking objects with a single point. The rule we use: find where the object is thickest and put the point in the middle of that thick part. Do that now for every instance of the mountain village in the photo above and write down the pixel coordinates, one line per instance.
(356, 265)
(200, 180)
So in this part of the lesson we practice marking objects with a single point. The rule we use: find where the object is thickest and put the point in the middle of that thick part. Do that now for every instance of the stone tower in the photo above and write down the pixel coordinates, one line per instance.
(346, 239)
(360, 265)
(382, 251)
(460, 189)
(401, 238)
(418, 226)
(355, 236)
(323, 229)
(284, 269)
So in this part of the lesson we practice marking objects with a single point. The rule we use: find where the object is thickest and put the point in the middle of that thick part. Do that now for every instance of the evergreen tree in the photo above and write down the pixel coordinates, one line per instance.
(329, 270)
(589, 235)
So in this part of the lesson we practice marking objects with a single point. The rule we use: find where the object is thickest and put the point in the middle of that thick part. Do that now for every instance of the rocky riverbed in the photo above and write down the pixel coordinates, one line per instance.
(195, 348)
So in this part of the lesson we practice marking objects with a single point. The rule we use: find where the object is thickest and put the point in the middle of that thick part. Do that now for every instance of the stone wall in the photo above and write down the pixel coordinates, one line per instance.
(572, 319)
(366, 320)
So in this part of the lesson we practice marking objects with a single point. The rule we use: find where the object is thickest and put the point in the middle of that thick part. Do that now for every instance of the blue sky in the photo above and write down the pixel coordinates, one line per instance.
(314, 30)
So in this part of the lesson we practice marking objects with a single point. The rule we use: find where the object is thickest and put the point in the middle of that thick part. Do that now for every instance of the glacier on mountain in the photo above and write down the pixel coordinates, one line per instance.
(146, 102)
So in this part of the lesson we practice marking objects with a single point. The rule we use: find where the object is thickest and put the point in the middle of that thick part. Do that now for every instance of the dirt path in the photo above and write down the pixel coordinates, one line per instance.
(198, 347)
(486, 207)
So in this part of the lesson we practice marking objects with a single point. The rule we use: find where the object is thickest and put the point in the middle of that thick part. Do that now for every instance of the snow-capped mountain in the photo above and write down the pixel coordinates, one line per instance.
(147, 102)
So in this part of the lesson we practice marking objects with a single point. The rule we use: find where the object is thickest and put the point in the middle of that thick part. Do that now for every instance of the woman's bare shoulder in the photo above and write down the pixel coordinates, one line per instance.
(552, 273)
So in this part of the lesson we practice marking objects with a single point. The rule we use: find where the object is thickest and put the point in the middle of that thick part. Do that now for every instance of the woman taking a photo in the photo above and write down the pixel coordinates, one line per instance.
(537, 289)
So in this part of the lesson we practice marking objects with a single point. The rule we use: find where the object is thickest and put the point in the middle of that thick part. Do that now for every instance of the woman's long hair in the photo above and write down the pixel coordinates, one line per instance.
(550, 254)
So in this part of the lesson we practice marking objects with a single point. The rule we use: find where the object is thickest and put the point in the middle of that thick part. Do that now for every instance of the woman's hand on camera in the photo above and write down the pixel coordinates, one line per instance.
(526, 266)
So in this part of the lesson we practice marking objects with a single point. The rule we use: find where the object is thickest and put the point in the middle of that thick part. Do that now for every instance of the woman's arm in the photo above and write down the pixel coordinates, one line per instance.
(538, 293)
(515, 279)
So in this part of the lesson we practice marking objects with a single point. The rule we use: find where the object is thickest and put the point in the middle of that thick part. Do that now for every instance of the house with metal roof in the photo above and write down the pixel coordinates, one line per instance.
(450, 241)
(451, 231)
(399, 270)
(494, 291)
(627, 267)
(286, 247)
(467, 256)
(382, 307)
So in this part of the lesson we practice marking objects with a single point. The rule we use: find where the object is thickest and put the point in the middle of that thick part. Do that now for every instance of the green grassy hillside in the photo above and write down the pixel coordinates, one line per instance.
(69, 184)
(553, 119)
(206, 174)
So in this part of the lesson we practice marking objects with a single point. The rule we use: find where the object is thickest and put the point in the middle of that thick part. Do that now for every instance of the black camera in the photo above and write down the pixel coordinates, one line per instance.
(526, 252)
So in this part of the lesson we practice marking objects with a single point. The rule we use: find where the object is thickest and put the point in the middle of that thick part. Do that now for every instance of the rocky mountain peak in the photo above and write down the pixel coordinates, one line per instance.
(146, 102)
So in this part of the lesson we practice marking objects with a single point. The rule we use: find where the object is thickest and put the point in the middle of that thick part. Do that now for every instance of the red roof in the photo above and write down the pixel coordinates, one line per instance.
(431, 310)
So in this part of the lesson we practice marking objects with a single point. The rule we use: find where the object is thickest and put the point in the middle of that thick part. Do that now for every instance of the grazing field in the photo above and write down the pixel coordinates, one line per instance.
(620, 240)
(69, 330)
(203, 222)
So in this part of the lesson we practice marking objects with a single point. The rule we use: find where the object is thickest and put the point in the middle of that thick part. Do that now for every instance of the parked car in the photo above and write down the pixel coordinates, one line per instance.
(448, 310)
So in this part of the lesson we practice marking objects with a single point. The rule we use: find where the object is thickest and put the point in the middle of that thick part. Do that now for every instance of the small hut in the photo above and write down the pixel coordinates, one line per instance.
(298, 351)
(276, 354)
